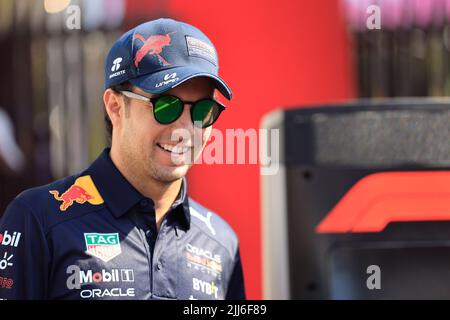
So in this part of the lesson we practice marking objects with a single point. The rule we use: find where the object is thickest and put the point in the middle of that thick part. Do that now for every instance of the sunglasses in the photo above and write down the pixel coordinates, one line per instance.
(168, 108)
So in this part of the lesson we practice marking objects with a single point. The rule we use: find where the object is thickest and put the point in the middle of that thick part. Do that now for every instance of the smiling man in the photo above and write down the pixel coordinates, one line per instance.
(125, 228)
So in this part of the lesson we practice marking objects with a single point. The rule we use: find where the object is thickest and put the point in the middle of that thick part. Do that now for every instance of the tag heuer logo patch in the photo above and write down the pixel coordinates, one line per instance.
(104, 246)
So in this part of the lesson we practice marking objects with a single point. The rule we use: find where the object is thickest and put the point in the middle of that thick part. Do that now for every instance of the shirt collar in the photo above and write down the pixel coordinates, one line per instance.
(120, 196)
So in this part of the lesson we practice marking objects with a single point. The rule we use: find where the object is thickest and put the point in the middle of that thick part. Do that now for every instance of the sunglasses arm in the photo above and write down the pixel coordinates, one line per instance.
(133, 95)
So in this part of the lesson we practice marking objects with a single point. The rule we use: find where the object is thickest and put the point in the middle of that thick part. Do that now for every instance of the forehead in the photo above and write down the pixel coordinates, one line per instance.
(195, 88)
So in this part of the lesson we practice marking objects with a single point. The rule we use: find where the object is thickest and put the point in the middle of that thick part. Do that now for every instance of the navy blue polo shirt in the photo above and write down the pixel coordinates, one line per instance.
(94, 236)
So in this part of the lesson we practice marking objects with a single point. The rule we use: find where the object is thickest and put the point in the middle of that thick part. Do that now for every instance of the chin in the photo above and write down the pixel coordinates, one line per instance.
(170, 174)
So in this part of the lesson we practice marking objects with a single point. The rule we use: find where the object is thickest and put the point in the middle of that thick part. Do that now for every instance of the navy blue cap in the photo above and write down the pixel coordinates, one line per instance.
(158, 55)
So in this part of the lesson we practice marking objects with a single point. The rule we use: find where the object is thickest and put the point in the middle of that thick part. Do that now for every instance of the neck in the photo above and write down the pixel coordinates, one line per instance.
(162, 193)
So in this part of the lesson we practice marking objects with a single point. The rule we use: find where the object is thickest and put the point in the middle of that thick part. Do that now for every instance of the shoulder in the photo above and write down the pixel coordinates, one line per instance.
(214, 226)
(49, 204)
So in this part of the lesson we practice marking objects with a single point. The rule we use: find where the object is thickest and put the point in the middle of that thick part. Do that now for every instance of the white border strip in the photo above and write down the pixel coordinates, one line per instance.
(275, 252)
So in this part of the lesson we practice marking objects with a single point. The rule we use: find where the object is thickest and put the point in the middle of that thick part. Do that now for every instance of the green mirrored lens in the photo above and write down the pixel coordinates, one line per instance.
(205, 112)
(167, 109)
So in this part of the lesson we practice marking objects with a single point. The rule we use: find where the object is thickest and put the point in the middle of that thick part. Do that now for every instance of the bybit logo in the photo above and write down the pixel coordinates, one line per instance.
(209, 288)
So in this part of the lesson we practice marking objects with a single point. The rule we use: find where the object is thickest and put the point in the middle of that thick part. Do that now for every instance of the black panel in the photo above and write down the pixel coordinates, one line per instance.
(327, 150)
(406, 273)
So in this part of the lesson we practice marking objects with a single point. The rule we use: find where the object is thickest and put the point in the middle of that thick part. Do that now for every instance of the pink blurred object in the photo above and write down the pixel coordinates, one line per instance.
(423, 12)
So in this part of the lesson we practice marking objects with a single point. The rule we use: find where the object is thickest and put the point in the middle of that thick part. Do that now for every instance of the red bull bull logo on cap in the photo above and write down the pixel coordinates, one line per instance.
(83, 190)
(154, 46)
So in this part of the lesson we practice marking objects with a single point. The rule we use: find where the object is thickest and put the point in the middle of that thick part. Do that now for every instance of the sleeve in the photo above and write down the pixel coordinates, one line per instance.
(236, 287)
(24, 254)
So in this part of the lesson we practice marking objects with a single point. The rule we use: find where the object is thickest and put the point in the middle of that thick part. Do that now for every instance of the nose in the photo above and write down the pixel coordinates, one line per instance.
(185, 121)
(183, 128)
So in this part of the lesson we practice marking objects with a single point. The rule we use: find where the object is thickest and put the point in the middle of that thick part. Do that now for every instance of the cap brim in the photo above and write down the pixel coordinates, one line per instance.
(155, 84)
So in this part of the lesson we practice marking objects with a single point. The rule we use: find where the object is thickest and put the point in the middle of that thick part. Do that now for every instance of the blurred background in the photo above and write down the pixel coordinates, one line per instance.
(273, 54)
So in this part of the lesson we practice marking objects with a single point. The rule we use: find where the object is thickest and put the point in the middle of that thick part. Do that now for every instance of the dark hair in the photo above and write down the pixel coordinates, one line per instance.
(127, 86)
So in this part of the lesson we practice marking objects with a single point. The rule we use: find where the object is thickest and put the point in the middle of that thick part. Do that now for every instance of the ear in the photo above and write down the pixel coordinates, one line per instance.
(114, 106)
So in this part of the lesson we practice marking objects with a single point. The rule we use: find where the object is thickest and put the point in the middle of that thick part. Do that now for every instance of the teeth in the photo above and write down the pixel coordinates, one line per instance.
(174, 149)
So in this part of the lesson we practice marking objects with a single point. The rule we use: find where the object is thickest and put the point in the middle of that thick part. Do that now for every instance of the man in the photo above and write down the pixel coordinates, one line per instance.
(125, 228)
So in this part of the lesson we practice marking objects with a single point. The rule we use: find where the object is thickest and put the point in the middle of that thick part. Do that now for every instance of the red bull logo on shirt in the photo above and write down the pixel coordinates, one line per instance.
(83, 190)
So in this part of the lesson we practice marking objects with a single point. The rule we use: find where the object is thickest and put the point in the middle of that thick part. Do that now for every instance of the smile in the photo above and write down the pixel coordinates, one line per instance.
(173, 149)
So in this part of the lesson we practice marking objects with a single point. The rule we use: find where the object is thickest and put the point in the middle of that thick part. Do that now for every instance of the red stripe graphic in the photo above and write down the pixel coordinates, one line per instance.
(381, 198)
